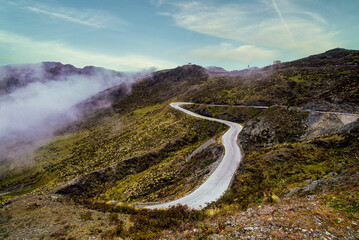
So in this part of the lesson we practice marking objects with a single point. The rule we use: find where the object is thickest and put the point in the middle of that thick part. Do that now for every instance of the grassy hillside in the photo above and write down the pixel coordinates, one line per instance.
(262, 127)
(138, 151)
(317, 166)
(326, 81)
(141, 133)
(162, 86)
(153, 135)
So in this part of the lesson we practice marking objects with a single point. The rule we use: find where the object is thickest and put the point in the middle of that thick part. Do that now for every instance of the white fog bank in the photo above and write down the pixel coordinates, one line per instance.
(36, 110)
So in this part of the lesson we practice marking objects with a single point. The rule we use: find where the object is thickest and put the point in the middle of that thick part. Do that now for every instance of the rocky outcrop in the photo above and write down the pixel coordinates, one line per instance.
(320, 124)
(274, 125)
(325, 184)
(331, 105)
(201, 148)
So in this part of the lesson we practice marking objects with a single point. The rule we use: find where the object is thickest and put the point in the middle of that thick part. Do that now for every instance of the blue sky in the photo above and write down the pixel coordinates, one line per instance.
(130, 35)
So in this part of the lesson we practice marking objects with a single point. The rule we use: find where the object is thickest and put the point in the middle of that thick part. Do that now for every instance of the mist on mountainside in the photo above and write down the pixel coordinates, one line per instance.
(38, 99)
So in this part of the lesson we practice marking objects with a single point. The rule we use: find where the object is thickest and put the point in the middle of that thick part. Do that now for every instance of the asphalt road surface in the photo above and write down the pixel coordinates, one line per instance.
(218, 182)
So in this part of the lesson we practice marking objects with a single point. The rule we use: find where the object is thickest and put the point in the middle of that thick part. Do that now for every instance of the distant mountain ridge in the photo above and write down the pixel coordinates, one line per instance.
(216, 69)
(164, 84)
(17, 76)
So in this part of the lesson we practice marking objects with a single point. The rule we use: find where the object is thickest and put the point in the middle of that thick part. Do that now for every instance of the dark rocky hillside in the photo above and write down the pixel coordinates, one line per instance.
(162, 86)
(327, 81)
(332, 58)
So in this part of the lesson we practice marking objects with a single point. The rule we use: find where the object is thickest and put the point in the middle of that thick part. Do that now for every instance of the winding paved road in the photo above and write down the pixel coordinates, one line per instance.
(218, 182)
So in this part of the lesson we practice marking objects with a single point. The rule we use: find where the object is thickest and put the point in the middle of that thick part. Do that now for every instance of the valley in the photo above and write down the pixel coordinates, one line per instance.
(218, 182)
(298, 176)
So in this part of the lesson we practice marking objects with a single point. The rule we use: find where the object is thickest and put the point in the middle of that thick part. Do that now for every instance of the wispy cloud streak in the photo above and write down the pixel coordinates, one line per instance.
(256, 24)
(65, 17)
(88, 17)
(283, 21)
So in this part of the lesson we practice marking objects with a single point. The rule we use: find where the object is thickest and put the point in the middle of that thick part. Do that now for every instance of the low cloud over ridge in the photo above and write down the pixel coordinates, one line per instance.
(34, 102)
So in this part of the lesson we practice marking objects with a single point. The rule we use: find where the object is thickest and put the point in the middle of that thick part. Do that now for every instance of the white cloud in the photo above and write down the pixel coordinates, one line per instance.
(87, 17)
(225, 51)
(94, 18)
(260, 23)
(317, 44)
(33, 112)
(24, 50)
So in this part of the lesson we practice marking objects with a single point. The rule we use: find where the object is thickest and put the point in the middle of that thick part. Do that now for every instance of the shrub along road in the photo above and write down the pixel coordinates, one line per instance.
(219, 181)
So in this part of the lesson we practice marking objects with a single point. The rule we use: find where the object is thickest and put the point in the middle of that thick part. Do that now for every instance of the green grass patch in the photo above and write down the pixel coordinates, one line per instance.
(208, 163)
(273, 108)
(346, 200)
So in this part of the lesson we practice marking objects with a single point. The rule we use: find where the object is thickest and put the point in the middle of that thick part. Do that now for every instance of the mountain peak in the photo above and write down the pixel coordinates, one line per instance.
(214, 69)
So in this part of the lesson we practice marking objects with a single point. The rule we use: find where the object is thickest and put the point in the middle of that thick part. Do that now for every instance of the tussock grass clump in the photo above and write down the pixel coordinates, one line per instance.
(148, 224)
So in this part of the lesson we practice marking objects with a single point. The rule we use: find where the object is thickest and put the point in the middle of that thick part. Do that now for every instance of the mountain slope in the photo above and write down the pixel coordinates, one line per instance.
(326, 81)
(146, 135)
(39, 99)
(138, 149)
